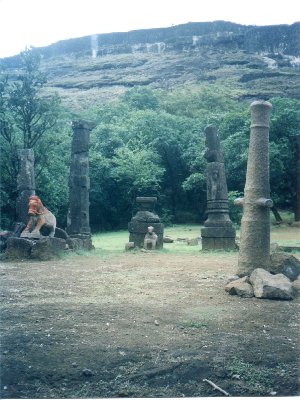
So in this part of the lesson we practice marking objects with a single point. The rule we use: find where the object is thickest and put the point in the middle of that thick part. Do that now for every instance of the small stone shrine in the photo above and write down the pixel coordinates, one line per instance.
(218, 232)
(255, 225)
(79, 184)
(145, 218)
(25, 183)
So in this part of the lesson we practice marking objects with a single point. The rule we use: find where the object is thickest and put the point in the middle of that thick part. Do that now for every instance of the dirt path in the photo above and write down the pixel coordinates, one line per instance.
(141, 325)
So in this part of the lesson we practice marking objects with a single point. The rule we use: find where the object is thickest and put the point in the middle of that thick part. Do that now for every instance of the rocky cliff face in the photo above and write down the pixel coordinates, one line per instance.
(256, 62)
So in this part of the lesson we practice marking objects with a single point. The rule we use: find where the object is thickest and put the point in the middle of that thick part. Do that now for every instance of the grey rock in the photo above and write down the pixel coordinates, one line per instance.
(18, 248)
(87, 372)
(129, 246)
(286, 264)
(240, 287)
(167, 239)
(193, 242)
(232, 278)
(268, 286)
(296, 284)
(48, 248)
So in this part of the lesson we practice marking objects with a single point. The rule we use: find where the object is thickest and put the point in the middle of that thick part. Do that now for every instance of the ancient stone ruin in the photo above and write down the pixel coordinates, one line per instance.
(144, 218)
(31, 243)
(260, 274)
(79, 183)
(25, 183)
(218, 232)
(41, 239)
(254, 249)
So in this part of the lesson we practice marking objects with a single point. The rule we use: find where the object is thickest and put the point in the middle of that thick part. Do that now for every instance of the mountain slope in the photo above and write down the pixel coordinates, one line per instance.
(247, 62)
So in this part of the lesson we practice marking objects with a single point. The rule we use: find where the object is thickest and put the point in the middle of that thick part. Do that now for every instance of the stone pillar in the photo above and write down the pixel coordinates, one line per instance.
(218, 232)
(25, 183)
(79, 182)
(146, 216)
(255, 226)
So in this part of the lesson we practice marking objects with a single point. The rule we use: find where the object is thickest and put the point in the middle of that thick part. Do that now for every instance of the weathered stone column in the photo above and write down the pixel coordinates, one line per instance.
(146, 216)
(218, 232)
(25, 183)
(79, 182)
(255, 226)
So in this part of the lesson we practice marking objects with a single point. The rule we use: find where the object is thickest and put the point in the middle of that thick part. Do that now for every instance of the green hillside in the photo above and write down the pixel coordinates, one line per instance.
(246, 62)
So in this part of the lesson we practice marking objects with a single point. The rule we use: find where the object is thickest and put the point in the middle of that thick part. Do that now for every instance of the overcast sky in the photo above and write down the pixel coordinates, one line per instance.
(42, 22)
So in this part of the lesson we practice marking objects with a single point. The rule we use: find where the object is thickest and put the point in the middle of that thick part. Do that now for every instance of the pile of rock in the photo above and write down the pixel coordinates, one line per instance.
(45, 248)
(274, 283)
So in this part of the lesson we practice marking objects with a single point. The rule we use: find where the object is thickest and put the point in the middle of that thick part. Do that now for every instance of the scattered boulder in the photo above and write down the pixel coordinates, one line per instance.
(167, 239)
(286, 264)
(48, 248)
(87, 372)
(193, 242)
(240, 287)
(80, 241)
(4, 235)
(129, 246)
(296, 284)
(232, 278)
(296, 224)
(268, 286)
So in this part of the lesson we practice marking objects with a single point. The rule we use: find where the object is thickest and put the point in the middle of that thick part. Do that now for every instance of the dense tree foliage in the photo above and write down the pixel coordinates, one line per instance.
(29, 120)
(145, 143)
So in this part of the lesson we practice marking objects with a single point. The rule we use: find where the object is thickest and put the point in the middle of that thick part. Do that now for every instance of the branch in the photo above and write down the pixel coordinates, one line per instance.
(216, 387)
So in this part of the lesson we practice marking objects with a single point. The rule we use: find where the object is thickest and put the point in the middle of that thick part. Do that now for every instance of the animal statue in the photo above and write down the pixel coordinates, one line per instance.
(39, 216)
(150, 238)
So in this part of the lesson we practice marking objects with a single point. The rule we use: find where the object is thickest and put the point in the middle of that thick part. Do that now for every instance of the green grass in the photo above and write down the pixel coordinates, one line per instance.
(259, 380)
(113, 243)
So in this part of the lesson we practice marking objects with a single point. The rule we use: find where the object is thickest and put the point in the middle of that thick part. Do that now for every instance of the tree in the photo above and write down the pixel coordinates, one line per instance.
(27, 120)
(33, 115)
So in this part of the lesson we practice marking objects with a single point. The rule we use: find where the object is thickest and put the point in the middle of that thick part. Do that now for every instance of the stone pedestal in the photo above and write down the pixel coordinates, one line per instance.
(25, 183)
(138, 226)
(255, 226)
(79, 182)
(218, 232)
(47, 248)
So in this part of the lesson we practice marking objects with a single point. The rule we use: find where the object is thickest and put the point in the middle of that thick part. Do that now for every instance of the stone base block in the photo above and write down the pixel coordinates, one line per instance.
(218, 243)
(138, 230)
(80, 241)
(218, 238)
(218, 232)
(43, 249)
(18, 249)
(48, 248)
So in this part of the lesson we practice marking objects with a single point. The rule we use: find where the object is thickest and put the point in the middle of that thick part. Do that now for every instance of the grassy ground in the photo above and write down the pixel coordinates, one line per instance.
(114, 242)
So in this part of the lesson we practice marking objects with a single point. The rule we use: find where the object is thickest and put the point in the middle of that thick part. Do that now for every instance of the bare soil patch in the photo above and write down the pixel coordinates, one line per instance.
(141, 325)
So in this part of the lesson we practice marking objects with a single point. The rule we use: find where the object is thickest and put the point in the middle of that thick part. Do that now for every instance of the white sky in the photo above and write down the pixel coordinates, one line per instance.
(42, 22)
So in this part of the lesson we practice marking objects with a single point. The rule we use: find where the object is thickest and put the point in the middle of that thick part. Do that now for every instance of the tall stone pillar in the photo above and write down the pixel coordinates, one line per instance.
(146, 216)
(255, 226)
(218, 232)
(25, 183)
(79, 182)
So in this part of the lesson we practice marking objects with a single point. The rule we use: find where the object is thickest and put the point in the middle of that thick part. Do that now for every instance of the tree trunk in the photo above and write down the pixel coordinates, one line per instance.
(276, 215)
(297, 202)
